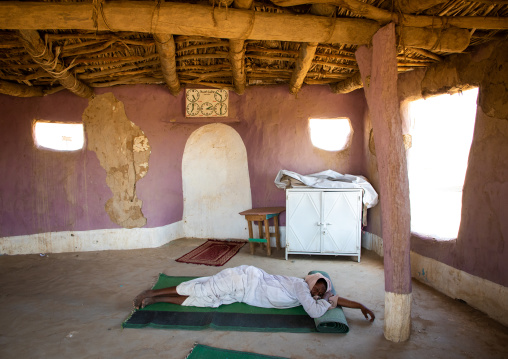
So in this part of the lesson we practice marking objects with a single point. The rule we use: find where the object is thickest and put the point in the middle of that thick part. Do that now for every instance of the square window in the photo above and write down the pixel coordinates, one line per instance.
(332, 134)
(59, 136)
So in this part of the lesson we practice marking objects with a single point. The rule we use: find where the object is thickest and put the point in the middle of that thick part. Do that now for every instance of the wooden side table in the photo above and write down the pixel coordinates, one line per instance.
(262, 215)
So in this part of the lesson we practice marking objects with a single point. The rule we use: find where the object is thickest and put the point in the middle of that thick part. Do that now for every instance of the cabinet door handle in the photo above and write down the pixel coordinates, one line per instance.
(319, 224)
(329, 224)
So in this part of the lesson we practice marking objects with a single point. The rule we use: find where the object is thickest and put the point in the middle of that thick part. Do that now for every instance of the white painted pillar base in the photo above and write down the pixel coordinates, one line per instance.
(397, 326)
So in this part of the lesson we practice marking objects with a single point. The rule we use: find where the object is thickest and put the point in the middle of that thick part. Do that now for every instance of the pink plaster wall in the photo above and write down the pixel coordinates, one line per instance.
(276, 134)
(481, 246)
(43, 191)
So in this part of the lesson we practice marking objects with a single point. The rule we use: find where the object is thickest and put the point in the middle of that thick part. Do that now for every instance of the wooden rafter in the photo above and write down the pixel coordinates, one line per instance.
(215, 55)
(165, 46)
(237, 60)
(14, 89)
(302, 66)
(237, 54)
(307, 51)
(203, 46)
(415, 6)
(348, 85)
(115, 71)
(43, 56)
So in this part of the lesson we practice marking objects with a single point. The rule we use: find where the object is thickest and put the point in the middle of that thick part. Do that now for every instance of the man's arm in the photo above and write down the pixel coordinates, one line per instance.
(343, 302)
(314, 308)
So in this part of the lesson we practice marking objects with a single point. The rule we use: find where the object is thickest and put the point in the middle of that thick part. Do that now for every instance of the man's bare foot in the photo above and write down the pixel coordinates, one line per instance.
(139, 298)
(147, 301)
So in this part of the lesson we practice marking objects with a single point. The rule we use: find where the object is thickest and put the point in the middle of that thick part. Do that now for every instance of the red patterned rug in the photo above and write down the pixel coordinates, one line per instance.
(212, 253)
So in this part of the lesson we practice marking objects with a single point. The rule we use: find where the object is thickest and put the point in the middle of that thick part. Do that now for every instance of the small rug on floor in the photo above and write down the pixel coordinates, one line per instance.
(232, 317)
(205, 352)
(212, 253)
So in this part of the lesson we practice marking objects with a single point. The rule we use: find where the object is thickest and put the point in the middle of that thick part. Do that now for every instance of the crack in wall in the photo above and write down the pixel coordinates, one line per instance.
(123, 151)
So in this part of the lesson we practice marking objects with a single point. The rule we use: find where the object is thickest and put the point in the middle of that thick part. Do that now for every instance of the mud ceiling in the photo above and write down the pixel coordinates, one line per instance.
(233, 44)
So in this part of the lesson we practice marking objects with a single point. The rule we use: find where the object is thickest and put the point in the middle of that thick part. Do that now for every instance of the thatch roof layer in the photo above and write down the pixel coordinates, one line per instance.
(100, 55)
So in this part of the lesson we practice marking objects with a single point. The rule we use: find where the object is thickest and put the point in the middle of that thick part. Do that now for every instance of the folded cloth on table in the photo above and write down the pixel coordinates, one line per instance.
(328, 179)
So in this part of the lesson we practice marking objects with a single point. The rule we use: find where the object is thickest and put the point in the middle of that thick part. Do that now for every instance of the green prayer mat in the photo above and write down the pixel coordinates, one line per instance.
(232, 317)
(206, 352)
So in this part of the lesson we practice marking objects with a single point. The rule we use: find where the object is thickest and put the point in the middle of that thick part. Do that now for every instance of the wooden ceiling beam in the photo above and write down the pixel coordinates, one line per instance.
(384, 17)
(165, 45)
(178, 18)
(181, 19)
(43, 56)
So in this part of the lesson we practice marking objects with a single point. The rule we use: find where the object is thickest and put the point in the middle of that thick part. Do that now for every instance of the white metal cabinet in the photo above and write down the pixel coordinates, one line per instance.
(323, 221)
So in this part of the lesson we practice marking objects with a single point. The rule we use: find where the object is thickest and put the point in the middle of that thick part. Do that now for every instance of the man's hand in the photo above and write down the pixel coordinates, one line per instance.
(333, 301)
(327, 296)
(366, 312)
(351, 304)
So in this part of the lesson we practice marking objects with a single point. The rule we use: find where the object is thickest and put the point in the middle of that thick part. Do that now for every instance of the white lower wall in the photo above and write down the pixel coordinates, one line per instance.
(372, 242)
(103, 239)
(96, 240)
(479, 293)
(484, 295)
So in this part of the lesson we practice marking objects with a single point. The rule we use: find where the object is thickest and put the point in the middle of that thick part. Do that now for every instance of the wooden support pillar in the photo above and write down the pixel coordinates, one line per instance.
(378, 67)
(166, 49)
(302, 66)
(43, 56)
(14, 89)
(237, 54)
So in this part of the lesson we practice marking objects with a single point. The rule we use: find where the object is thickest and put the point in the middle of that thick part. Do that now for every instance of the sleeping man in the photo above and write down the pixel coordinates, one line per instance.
(253, 286)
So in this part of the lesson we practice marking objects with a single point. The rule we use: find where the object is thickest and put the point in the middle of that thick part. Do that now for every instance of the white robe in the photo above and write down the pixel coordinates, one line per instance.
(253, 286)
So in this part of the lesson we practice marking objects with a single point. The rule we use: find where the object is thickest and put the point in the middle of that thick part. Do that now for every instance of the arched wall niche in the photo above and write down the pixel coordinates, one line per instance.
(216, 184)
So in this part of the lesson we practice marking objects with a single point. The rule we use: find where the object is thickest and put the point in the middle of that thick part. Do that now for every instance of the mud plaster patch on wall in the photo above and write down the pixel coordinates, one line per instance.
(123, 151)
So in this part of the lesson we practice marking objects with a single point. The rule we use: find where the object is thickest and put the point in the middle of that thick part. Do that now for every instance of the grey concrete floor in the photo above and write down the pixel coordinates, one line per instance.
(71, 305)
